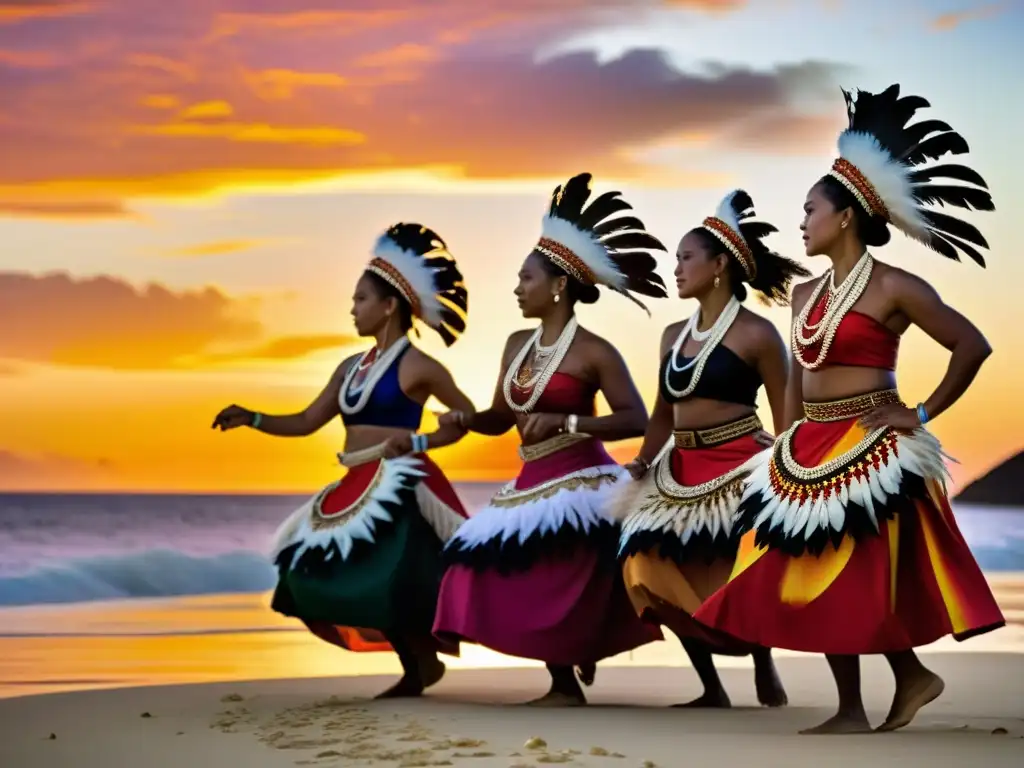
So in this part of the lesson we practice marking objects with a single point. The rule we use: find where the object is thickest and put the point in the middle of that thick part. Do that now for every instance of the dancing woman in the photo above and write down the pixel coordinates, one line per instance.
(679, 537)
(852, 546)
(534, 573)
(359, 563)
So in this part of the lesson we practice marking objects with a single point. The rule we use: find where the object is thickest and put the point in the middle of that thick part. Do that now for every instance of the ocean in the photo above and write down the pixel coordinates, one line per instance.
(100, 591)
(73, 548)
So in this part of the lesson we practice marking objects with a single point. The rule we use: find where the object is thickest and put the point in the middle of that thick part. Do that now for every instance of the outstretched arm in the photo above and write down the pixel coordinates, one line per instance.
(629, 414)
(924, 308)
(307, 421)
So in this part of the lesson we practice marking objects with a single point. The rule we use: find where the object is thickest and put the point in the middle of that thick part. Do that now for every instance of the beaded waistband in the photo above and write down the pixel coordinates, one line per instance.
(707, 438)
(851, 407)
(551, 446)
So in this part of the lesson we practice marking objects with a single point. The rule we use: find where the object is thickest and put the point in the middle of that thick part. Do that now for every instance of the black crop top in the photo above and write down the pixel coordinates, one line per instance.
(727, 377)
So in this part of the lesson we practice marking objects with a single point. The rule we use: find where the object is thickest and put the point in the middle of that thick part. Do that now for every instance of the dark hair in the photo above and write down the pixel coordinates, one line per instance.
(774, 274)
(872, 230)
(575, 291)
(386, 290)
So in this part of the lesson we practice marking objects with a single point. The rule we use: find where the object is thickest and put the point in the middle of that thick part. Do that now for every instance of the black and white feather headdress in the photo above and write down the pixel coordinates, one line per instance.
(596, 248)
(416, 262)
(884, 162)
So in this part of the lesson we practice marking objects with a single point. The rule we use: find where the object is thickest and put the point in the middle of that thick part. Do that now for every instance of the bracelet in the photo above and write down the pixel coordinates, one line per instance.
(257, 418)
(419, 443)
(571, 422)
(922, 414)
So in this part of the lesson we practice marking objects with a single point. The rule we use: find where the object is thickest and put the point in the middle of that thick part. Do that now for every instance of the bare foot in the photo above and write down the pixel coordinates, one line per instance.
(770, 692)
(407, 687)
(587, 673)
(558, 699)
(842, 722)
(910, 697)
(431, 671)
(708, 700)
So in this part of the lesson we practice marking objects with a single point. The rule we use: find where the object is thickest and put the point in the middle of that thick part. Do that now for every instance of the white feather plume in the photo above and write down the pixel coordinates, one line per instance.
(889, 178)
(727, 214)
(587, 247)
(420, 277)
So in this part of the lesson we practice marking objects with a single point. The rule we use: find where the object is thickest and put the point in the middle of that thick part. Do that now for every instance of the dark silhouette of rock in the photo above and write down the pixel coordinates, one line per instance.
(1002, 485)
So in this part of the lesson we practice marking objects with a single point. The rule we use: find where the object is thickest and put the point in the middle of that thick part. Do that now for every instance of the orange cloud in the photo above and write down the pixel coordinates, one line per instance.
(948, 21)
(287, 348)
(15, 11)
(160, 101)
(392, 100)
(283, 83)
(337, 22)
(254, 132)
(217, 248)
(205, 110)
(29, 59)
(400, 55)
(106, 322)
(72, 210)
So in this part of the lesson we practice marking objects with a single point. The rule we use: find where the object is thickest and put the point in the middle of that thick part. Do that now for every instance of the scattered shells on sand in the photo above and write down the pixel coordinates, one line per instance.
(599, 752)
(535, 742)
(232, 697)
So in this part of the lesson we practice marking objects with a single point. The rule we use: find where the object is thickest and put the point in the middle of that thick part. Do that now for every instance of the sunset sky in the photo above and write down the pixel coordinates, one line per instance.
(189, 189)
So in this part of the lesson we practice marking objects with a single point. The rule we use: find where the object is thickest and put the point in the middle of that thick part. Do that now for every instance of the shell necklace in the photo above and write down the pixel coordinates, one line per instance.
(546, 370)
(838, 302)
(711, 337)
(374, 371)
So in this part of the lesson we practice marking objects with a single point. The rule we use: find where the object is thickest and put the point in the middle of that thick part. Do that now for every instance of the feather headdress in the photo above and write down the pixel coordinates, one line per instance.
(764, 270)
(415, 261)
(592, 245)
(884, 162)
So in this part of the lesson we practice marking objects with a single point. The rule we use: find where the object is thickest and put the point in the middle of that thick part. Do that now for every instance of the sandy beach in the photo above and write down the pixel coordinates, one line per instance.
(473, 719)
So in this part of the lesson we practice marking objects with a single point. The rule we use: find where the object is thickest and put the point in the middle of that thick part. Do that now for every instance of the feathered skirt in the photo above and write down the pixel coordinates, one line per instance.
(361, 560)
(534, 573)
(850, 544)
(679, 535)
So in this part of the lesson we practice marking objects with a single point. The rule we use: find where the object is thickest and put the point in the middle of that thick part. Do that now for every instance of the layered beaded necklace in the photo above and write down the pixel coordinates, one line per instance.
(838, 302)
(371, 366)
(712, 337)
(545, 363)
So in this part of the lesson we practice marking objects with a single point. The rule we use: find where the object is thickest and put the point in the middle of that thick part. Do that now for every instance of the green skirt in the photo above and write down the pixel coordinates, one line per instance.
(390, 587)
(360, 563)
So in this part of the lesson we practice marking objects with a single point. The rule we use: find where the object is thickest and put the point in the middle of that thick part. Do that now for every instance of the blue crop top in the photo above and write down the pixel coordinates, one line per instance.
(388, 405)
(727, 377)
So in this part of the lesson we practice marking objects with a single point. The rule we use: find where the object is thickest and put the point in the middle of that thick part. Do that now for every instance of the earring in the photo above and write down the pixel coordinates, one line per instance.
(558, 297)
(718, 281)
(843, 225)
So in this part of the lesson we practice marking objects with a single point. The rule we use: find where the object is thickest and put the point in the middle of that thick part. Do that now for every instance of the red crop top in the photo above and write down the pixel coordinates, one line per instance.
(860, 340)
(563, 394)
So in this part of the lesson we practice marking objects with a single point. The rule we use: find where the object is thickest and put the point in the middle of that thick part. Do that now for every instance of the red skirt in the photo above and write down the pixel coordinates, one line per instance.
(852, 548)
(679, 537)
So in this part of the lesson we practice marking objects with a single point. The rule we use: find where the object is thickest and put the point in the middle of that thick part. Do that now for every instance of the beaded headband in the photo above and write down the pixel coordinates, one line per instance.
(735, 244)
(847, 174)
(387, 272)
(567, 260)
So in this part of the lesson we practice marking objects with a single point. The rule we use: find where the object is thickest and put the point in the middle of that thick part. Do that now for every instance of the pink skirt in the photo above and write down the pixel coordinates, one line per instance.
(534, 574)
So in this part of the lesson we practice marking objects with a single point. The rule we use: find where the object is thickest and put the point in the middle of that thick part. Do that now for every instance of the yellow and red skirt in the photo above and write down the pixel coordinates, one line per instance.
(850, 544)
(361, 560)
(678, 541)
